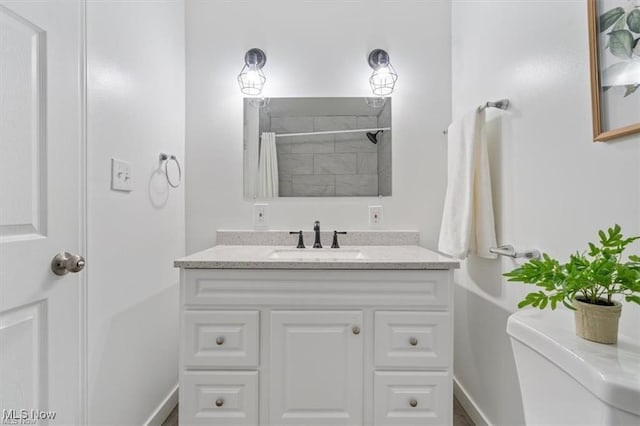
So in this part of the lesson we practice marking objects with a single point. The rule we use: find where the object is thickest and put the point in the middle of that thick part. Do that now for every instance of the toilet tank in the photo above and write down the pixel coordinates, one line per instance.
(566, 380)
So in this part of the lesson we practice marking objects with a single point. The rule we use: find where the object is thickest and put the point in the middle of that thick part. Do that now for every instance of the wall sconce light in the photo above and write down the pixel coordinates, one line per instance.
(384, 76)
(251, 78)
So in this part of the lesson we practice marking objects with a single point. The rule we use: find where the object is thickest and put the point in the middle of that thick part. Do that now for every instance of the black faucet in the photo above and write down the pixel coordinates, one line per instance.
(335, 239)
(316, 229)
(300, 240)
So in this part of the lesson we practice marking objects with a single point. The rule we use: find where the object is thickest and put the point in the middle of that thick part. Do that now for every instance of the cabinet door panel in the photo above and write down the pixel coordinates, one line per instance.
(317, 368)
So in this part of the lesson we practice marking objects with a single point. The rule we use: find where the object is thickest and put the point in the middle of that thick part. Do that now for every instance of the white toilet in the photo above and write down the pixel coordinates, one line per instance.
(566, 380)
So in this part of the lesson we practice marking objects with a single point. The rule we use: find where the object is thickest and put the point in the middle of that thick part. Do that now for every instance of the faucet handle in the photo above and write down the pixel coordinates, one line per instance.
(300, 239)
(335, 238)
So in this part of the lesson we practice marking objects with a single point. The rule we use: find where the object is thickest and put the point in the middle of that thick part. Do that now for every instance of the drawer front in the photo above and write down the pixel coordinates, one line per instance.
(412, 398)
(412, 339)
(219, 398)
(221, 339)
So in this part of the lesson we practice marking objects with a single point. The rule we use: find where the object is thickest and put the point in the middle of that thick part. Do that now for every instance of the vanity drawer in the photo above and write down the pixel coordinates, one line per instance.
(219, 398)
(221, 339)
(412, 339)
(412, 398)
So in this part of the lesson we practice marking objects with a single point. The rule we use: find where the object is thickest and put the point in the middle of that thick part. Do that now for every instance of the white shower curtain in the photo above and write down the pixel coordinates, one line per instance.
(268, 166)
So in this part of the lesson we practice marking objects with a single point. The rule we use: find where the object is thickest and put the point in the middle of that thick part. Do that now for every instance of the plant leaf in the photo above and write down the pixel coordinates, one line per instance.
(622, 73)
(620, 43)
(634, 299)
(620, 24)
(631, 89)
(609, 18)
(633, 20)
(603, 236)
(543, 302)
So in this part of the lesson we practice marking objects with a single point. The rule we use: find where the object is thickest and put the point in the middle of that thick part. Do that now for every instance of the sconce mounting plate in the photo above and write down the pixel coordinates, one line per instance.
(378, 57)
(255, 56)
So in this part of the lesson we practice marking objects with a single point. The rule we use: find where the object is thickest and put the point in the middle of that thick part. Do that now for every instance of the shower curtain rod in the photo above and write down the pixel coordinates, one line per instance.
(330, 132)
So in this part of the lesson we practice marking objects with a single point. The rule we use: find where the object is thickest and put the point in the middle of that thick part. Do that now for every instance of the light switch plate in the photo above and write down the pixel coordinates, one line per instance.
(121, 179)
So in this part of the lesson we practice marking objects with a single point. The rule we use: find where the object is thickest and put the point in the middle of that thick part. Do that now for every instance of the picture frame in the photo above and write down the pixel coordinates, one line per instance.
(615, 67)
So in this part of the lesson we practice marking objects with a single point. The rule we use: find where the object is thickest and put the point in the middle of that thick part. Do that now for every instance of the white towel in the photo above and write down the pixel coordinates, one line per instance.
(467, 221)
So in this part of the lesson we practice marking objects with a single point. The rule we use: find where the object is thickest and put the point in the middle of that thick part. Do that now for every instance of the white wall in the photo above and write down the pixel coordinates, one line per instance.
(316, 49)
(135, 111)
(553, 187)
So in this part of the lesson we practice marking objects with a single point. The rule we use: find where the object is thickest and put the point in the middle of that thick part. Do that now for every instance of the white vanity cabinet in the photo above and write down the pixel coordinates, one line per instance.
(316, 347)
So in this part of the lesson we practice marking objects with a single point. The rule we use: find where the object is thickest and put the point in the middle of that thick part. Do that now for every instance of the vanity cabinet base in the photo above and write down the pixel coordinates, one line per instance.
(316, 347)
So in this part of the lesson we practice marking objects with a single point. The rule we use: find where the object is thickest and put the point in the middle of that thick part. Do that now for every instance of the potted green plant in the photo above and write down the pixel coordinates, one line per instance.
(587, 284)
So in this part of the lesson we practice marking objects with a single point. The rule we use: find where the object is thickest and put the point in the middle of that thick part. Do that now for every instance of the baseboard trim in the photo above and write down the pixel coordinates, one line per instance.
(469, 405)
(164, 409)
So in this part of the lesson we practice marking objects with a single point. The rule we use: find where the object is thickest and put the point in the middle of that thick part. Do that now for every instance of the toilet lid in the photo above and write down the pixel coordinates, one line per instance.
(610, 372)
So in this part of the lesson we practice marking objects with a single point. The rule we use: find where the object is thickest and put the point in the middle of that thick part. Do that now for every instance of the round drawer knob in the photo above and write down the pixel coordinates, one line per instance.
(413, 341)
(219, 340)
(413, 403)
(219, 402)
(355, 329)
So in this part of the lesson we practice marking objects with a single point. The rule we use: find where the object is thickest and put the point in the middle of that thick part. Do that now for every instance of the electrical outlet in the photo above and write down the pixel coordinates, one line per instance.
(260, 215)
(121, 179)
(375, 215)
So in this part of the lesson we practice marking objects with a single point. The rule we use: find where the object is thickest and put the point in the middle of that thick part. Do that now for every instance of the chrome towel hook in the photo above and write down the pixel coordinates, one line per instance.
(166, 159)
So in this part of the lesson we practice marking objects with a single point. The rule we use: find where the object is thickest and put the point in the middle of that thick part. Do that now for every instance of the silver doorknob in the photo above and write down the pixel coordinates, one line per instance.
(219, 340)
(65, 262)
(355, 329)
(413, 403)
(413, 341)
(219, 402)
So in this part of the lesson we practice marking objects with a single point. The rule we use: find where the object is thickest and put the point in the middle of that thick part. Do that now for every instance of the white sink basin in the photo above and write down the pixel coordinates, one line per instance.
(317, 254)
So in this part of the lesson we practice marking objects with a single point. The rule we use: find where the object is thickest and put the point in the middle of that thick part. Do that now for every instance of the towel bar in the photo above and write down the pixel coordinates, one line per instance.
(509, 251)
(501, 104)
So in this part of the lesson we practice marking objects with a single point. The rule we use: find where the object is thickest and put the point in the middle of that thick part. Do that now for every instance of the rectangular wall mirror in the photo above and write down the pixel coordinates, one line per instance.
(317, 147)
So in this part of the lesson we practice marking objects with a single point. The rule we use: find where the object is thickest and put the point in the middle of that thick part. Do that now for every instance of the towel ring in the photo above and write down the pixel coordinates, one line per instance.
(166, 159)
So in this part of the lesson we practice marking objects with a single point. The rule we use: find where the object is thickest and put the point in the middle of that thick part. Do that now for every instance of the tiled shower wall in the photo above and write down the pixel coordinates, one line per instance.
(326, 165)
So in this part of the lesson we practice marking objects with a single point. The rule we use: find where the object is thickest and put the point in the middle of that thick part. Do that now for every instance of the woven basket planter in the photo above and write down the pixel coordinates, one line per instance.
(598, 323)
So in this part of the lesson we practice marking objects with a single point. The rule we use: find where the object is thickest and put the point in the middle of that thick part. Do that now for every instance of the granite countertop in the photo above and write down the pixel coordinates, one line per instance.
(400, 257)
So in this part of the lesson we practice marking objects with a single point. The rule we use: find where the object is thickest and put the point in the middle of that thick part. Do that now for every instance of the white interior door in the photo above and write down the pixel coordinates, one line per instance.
(41, 213)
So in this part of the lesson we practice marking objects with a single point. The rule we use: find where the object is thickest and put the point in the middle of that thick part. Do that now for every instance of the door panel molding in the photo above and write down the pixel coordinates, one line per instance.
(23, 344)
(24, 173)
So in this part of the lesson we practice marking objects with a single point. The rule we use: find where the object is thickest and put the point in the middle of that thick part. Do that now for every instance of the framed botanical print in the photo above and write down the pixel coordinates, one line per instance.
(614, 41)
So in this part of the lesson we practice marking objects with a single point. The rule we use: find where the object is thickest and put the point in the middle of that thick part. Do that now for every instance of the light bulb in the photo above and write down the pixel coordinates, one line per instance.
(251, 80)
(383, 80)
(381, 76)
